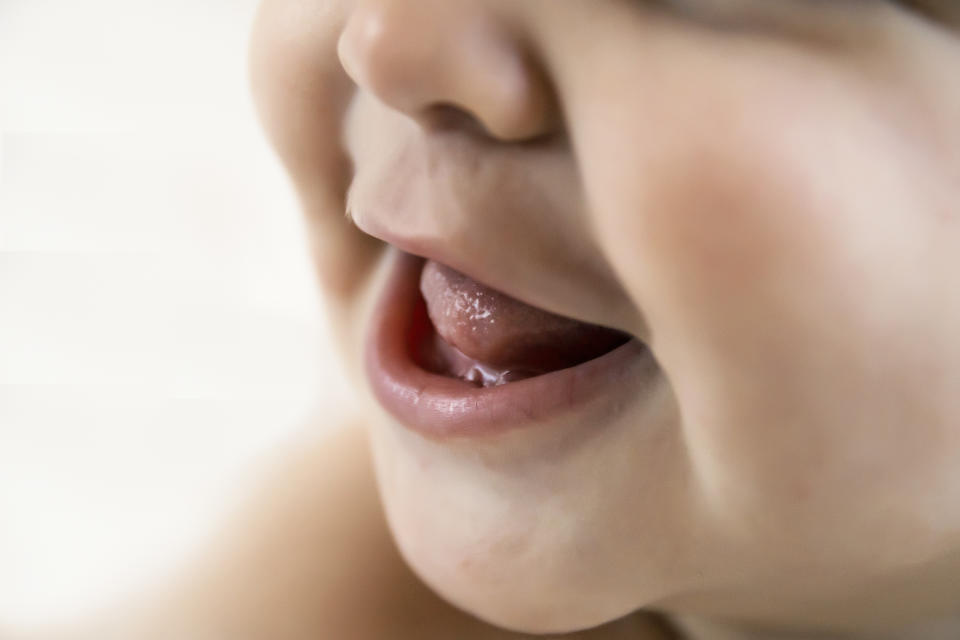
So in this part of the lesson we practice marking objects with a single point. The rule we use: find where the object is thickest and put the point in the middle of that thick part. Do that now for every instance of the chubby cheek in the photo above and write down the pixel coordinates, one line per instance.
(780, 256)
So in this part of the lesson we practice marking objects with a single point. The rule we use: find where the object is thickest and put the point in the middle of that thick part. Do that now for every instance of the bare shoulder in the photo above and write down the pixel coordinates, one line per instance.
(309, 556)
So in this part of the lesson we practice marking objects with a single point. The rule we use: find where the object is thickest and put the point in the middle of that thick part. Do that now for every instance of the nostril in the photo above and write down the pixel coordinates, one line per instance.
(450, 117)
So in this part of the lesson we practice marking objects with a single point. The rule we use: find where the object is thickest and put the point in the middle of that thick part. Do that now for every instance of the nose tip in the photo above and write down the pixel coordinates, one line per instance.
(445, 63)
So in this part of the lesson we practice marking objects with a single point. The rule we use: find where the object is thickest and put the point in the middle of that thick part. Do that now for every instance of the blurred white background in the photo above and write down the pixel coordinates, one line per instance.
(158, 321)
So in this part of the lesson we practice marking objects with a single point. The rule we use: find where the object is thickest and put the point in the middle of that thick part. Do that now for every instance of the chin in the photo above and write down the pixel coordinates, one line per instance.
(499, 551)
(508, 592)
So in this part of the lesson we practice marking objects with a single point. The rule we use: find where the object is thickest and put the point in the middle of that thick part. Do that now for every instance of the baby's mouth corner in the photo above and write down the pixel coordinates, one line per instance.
(467, 330)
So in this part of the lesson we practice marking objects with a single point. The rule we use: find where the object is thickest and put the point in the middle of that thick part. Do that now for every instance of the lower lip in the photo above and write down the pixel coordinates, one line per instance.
(441, 407)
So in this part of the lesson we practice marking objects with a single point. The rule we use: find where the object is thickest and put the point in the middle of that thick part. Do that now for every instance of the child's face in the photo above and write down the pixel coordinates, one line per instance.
(765, 192)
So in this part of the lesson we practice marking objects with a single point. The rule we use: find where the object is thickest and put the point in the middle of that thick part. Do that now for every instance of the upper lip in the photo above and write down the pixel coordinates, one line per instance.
(448, 198)
(428, 250)
(376, 202)
(445, 254)
(433, 249)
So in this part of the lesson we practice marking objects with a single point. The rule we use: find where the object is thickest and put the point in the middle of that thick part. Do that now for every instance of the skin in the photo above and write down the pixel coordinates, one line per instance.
(764, 192)
(266, 574)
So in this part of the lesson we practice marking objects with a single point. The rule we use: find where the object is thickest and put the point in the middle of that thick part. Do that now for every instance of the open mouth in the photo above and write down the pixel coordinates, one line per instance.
(487, 338)
(450, 357)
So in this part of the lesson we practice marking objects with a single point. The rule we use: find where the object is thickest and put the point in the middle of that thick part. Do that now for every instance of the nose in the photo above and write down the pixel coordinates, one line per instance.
(448, 63)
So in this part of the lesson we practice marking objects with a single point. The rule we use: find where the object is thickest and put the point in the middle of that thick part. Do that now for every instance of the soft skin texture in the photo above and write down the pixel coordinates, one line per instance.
(266, 576)
(767, 192)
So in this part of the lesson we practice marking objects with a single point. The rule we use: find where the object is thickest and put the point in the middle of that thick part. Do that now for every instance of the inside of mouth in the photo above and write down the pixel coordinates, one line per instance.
(465, 330)
(437, 356)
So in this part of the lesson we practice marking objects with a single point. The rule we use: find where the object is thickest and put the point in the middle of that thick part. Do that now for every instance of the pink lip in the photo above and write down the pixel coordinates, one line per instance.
(440, 407)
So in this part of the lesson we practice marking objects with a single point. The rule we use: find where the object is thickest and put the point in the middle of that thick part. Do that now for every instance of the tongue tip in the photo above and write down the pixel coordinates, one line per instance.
(501, 335)
(443, 358)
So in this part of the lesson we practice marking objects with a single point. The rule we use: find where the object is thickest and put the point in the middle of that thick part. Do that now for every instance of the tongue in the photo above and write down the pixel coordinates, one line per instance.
(490, 338)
